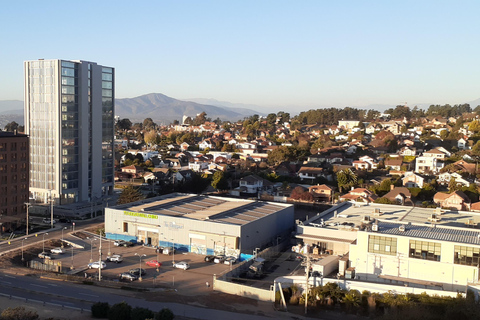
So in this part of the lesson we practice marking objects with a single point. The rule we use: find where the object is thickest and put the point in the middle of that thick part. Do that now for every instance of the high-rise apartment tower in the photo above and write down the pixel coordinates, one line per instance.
(69, 116)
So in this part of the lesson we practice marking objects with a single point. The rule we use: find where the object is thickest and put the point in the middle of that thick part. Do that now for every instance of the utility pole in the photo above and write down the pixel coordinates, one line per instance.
(100, 260)
(307, 273)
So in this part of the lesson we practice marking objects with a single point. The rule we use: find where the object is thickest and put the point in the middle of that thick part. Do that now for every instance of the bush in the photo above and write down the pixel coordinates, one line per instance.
(120, 311)
(139, 313)
(18, 313)
(164, 314)
(100, 310)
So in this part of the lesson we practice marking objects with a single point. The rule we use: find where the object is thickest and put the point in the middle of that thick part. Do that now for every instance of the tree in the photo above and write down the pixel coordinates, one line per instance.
(150, 137)
(148, 124)
(452, 185)
(120, 311)
(164, 314)
(139, 313)
(474, 126)
(123, 125)
(300, 194)
(346, 179)
(11, 127)
(219, 181)
(100, 310)
(129, 194)
(200, 119)
(18, 313)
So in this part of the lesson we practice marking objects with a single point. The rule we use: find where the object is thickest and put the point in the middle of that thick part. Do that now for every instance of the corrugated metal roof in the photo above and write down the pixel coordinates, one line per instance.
(430, 232)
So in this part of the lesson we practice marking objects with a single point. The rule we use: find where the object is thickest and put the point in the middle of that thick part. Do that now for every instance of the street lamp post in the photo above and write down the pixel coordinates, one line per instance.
(22, 248)
(64, 228)
(100, 260)
(51, 209)
(140, 265)
(173, 246)
(28, 205)
(44, 241)
(71, 268)
(91, 249)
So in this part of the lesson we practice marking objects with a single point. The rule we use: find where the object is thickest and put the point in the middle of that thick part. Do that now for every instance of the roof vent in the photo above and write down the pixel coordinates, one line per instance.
(366, 219)
(375, 227)
(401, 228)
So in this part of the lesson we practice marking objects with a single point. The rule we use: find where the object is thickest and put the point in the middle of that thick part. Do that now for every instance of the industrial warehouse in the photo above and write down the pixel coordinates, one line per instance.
(400, 245)
(200, 224)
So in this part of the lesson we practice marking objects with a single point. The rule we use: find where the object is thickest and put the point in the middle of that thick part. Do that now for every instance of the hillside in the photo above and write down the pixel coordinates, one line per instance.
(164, 109)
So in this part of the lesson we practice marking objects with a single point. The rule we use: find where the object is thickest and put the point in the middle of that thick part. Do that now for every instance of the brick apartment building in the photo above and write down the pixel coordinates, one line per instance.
(14, 180)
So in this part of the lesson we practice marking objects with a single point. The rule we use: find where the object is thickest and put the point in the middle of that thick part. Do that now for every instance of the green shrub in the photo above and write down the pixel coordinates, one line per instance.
(164, 314)
(100, 310)
(139, 313)
(120, 311)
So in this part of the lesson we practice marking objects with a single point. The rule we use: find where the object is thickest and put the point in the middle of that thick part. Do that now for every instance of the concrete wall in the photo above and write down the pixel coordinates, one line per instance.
(361, 286)
(243, 291)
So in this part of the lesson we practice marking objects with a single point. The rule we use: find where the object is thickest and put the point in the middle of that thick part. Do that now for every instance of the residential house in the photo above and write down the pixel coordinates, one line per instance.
(399, 195)
(183, 175)
(464, 166)
(427, 165)
(321, 193)
(439, 153)
(394, 164)
(198, 166)
(348, 124)
(455, 200)
(462, 143)
(359, 195)
(286, 169)
(207, 143)
(310, 173)
(413, 180)
(133, 171)
(253, 184)
(372, 128)
(361, 165)
(445, 177)
(373, 164)
(184, 146)
(408, 151)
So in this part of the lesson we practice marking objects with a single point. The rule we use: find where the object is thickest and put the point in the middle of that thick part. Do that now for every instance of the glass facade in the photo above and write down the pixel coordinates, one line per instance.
(468, 256)
(63, 128)
(425, 250)
(107, 125)
(382, 245)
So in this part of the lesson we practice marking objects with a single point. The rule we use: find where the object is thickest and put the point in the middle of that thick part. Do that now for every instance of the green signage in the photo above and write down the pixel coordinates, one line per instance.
(140, 215)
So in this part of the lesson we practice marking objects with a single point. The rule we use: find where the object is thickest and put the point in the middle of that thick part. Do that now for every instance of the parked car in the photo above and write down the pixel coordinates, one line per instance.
(137, 271)
(96, 265)
(119, 243)
(230, 260)
(117, 258)
(47, 220)
(57, 250)
(219, 259)
(45, 255)
(127, 276)
(128, 244)
(209, 258)
(64, 220)
(159, 249)
(153, 263)
(181, 265)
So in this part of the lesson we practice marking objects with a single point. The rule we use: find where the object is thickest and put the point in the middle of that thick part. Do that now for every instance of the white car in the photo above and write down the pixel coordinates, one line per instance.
(181, 265)
(230, 260)
(117, 258)
(48, 221)
(96, 265)
(119, 243)
(57, 250)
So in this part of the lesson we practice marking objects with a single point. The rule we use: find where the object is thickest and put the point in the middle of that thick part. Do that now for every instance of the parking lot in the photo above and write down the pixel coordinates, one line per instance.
(193, 279)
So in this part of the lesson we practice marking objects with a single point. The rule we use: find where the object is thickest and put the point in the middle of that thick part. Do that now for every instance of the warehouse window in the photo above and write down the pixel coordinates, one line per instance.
(382, 245)
(125, 227)
(467, 256)
(425, 250)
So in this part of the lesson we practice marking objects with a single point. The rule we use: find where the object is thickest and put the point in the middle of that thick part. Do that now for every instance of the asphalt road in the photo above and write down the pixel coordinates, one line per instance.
(80, 296)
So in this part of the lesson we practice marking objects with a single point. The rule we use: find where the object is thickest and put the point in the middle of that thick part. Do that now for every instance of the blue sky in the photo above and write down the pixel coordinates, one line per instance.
(294, 55)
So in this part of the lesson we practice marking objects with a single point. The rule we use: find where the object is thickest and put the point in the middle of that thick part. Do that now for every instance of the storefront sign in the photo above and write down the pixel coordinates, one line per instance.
(140, 215)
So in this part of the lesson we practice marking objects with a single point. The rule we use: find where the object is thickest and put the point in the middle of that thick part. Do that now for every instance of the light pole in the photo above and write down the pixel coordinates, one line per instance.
(91, 249)
(64, 228)
(51, 209)
(22, 248)
(100, 260)
(71, 268)
(173, 246)
(140, 269)
(28, 205)
(44, 241)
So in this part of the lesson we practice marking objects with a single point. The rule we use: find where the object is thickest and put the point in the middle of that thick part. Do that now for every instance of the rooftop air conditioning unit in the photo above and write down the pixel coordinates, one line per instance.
(375, 227)
(366, 219)
(376, 210)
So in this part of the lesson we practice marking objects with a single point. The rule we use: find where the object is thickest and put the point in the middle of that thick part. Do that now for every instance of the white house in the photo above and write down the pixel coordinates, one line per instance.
(426, 164)
(445, 177)
(413, 180)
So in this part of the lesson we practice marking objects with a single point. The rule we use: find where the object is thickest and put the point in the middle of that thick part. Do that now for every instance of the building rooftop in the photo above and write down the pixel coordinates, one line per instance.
(199, 207)
(447, 225)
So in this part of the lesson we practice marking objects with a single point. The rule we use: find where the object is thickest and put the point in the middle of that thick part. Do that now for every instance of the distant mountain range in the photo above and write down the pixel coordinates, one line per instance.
(163, 109)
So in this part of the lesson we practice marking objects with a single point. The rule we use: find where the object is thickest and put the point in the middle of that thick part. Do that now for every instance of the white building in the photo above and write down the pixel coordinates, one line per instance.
(400, 245)
(427, 164)
(69, 116)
